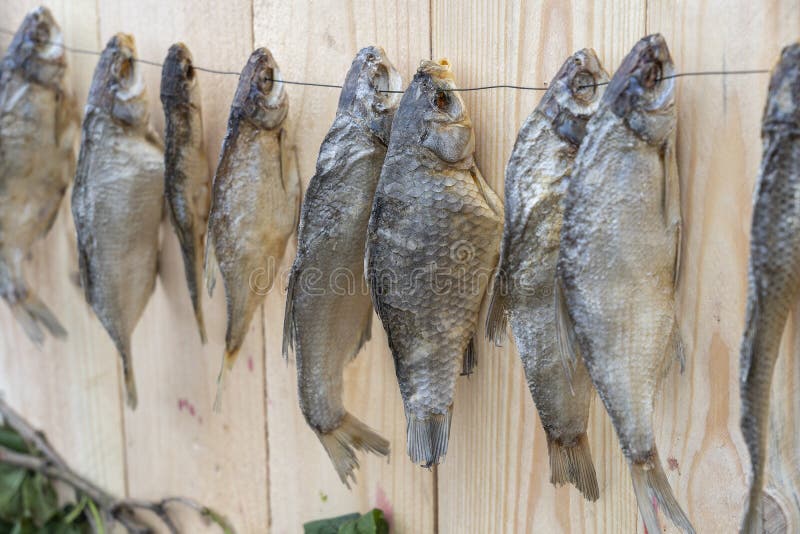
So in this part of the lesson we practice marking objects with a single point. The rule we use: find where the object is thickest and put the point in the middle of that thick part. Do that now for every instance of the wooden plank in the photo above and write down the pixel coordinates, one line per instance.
(317, 42)
(69, 389)
(719, 152)
(175, 443)
(498, 454)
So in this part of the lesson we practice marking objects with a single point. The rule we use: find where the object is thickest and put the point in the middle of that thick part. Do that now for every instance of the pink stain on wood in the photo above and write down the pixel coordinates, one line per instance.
(189, 407)
(673, 464)
(382, 502)
(250, 364)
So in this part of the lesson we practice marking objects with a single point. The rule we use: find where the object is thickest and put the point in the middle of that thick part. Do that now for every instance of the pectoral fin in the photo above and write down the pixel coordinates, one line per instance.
(290, 176)
(565, 334)
(671, 202)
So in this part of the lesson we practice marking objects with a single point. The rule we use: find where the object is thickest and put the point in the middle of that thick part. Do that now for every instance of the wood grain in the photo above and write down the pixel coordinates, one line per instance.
(719, 151)
(68, 388)
(317, 42)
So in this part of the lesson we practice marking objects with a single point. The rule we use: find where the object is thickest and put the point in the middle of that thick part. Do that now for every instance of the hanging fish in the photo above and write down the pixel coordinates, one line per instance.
(118, 198)
(618, 263)
(256, 199)
(774, 274)
(328, 325)
(38, 127)
(186, 180)
(432, 244)
(536, 180)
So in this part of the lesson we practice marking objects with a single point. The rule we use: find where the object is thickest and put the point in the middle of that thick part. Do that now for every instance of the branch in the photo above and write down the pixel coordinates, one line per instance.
(52, 465)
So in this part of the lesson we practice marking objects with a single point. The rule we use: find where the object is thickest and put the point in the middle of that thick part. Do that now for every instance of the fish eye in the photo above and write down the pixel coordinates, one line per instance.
(441, 100)
(370, 57)
(189, 71)
(652, 76)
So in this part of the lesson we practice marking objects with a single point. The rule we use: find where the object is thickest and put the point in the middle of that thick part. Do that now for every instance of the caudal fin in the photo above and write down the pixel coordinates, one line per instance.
(227, 364)
(342, 442)
(573, 464)
(33, 314)
(651, 487)
(427, 438)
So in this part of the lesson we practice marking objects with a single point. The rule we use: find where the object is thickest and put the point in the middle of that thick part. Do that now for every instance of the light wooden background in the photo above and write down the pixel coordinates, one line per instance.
(258, 462)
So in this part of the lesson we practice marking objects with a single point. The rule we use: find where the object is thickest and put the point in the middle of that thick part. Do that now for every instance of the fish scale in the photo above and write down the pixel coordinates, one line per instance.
(618, 262)
(38, 127)
(774, 268)
(522, 293)
(431, 247)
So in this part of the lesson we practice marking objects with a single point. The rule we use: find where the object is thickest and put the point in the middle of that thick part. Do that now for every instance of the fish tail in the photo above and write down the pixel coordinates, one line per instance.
(759, 353)
(497, 317)
(227, 364)
(131, 397)
(33, 314)
(210, 265)
(427, 438)
(573, 464)
(342, 442)
(198, 317)
(651, 486)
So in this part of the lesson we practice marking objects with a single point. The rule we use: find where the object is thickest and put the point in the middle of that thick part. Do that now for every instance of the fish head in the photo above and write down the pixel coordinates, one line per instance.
(37, 49)
(260, 97)
(642, 91)
(117, 86)
(433, 115)
(783, 101)
(179, 85)
(371, 91)
(574, 95)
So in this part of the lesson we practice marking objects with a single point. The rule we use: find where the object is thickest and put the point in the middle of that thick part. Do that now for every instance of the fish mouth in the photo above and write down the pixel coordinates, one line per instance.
(386, 80)
(645, 79)
(783, 101)
(127, 70)
(48, 36)
(588, 76)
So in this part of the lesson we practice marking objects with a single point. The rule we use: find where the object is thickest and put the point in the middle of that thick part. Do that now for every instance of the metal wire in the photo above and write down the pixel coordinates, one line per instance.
(459, 89)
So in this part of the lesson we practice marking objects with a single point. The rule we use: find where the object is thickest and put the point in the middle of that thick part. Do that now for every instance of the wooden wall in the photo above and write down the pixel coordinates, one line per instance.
(257, 461)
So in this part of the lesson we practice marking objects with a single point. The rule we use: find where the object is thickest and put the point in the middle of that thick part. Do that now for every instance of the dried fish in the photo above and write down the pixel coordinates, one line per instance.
(38, 129)
(618, 263)
(328, 322)
(774, 274)
(536, 180)
(187, 179)
(256, 199)
(432, 243)
(118, 198)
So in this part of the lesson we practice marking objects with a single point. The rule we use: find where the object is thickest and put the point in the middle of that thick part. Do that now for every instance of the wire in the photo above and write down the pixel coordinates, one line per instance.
(458, 89)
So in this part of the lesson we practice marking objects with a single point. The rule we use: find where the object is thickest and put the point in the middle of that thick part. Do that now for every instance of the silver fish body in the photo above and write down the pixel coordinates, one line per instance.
(118, 197)
(432, 245)
(38, 128)
(618, 263)
(774, 270)
(328, 309)
(536, 180)
(187, 183)
(255, 202)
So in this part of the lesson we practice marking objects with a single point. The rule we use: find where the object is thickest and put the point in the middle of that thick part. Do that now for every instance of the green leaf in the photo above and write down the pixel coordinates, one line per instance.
(39, 499)
(11, 479)
(372, 522)
(11, 440)
(328, 526)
